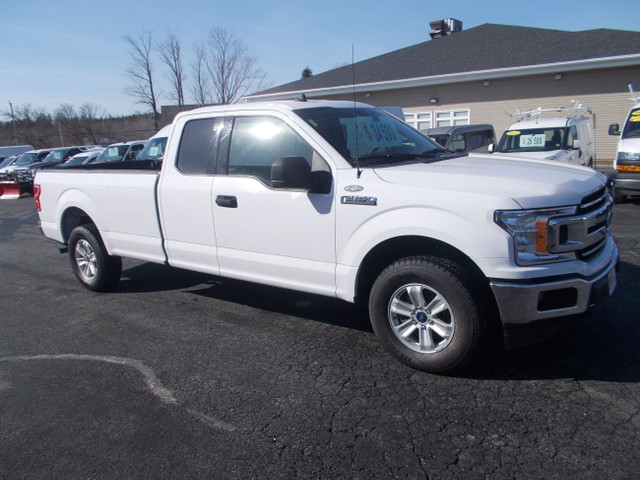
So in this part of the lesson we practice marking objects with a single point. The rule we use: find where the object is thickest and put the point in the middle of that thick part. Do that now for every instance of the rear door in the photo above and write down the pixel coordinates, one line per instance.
(185, 204)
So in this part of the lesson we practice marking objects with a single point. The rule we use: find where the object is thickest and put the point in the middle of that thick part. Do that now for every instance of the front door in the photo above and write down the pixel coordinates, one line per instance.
(278, 236)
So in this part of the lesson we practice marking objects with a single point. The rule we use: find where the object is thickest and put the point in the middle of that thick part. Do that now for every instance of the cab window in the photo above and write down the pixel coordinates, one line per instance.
(572, 134)
(257, 142)
(197, 154)
(458, 143)
(475, 140)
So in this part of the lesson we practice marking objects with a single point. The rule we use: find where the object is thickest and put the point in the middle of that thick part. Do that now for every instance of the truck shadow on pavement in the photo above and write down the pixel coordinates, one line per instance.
(601, 345)
(149, 277)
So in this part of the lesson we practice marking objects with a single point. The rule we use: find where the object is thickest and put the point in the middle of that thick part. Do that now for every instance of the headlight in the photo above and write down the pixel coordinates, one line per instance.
(530, 232)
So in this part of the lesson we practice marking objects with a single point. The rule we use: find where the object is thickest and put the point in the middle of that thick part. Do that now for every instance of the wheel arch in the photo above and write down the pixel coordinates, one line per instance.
(71, 218)
(393, 249)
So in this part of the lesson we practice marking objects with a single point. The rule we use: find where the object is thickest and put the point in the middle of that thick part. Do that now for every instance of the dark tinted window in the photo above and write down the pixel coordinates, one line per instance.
(198, 146)
(475, 140)
(458, 143)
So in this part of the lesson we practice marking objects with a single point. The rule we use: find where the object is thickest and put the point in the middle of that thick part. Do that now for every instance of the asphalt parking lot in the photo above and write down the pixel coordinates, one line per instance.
(182, 375)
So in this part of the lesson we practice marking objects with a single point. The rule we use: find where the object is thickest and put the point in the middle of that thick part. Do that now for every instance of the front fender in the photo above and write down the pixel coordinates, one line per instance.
(478, 240)
(476, 236)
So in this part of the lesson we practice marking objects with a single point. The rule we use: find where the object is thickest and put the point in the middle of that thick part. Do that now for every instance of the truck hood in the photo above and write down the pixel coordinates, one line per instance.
(534, 155)
(531, 183)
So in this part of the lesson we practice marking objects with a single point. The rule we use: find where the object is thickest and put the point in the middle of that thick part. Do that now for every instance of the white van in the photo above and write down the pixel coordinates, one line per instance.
(626, 179)
(569, 139)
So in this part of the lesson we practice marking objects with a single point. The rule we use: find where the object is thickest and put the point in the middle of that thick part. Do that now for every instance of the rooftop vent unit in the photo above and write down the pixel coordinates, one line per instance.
(442, 28)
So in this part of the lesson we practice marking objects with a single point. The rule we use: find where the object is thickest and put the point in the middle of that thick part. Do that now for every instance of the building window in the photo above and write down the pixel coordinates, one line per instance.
(439, 118)
(448, 118)
(419, 120)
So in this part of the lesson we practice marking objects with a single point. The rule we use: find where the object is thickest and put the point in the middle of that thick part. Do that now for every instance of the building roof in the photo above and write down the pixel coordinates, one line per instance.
(486, 51)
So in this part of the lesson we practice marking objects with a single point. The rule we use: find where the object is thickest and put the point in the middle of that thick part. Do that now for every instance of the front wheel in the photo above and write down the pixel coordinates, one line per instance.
(424, 315)
(93, 266)
(617, 196)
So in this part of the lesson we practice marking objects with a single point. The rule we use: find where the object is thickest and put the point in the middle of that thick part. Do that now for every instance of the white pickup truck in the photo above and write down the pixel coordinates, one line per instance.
(344, 200)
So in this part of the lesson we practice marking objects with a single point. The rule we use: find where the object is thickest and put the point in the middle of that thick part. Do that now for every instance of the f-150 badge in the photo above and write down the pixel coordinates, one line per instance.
(358, 200)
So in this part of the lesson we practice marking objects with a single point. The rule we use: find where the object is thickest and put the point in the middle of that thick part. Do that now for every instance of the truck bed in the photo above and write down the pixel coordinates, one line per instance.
(119, 198)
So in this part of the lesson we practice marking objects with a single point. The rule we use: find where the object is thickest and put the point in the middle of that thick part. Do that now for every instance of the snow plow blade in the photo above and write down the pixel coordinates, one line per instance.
(9, 190)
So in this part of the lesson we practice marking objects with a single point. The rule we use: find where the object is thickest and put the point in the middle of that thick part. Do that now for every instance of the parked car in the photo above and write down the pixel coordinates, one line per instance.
(8, 161)
(24, 174)
(626, 179)
(121, 152)
(569, 139)
(344, 200)
(463, 138)
(82, 158)
(27, 158)
(154, 149)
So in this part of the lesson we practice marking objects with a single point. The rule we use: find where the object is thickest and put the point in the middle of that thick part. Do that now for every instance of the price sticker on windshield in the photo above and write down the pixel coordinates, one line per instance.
(528, 141)
(377, 133)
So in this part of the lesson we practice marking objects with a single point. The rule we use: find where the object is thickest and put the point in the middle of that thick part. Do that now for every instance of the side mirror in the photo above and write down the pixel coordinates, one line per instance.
(491, 148)
(291, 172)
(614, 129)
(577, 144)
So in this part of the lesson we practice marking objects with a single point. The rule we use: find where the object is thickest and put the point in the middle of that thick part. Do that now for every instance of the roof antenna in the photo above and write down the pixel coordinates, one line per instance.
(355, 110)
(302, 98)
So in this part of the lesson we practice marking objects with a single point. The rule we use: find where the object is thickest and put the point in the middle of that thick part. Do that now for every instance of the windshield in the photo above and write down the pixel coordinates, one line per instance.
(114, 153)
(26, 158)
(632, 127)
(77, 159)
(153, 150)
(7, 161)
(56, 156)
(533, 140)
(366, 136)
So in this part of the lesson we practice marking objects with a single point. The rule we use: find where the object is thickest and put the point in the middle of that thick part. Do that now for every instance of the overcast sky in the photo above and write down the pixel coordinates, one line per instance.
(73, 51)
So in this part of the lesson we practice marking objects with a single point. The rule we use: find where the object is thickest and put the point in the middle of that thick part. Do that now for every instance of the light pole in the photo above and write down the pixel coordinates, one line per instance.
(13, 121)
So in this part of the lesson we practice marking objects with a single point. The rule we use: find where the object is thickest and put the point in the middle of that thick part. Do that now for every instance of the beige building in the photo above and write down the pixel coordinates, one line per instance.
(473, 76)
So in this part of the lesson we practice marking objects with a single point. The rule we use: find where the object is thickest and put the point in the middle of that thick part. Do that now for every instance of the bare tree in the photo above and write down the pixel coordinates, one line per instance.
(140, 74)
(34, 125)
(170, 55)
(91, 116)
(68, 123)
(232, 71)
(200, 86)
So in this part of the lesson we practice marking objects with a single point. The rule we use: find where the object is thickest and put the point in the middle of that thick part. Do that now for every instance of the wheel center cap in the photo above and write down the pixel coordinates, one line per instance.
(422, 317)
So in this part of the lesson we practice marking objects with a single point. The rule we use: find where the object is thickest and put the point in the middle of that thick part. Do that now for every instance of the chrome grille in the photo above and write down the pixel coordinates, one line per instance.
(584, 233)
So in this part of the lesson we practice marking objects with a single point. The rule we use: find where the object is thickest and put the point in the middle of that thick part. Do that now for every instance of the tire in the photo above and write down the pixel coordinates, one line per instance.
(618, 197)
(94, 267)
(425, 316)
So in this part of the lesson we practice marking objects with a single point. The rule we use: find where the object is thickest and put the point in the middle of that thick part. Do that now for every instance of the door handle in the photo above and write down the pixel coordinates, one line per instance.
(227, 201)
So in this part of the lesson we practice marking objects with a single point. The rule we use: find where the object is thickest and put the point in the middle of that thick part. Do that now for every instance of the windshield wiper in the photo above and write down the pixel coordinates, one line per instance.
(439, 154)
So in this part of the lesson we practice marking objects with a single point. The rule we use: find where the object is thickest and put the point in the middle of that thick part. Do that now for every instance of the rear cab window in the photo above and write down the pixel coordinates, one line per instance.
(201, 145)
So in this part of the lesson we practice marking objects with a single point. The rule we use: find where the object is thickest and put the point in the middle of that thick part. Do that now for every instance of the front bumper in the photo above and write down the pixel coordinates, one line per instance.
(525, 306)
(627, 183)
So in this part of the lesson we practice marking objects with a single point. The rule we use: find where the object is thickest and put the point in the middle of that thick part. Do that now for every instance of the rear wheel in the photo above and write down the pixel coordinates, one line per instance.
(424, 315)
(93, 266)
